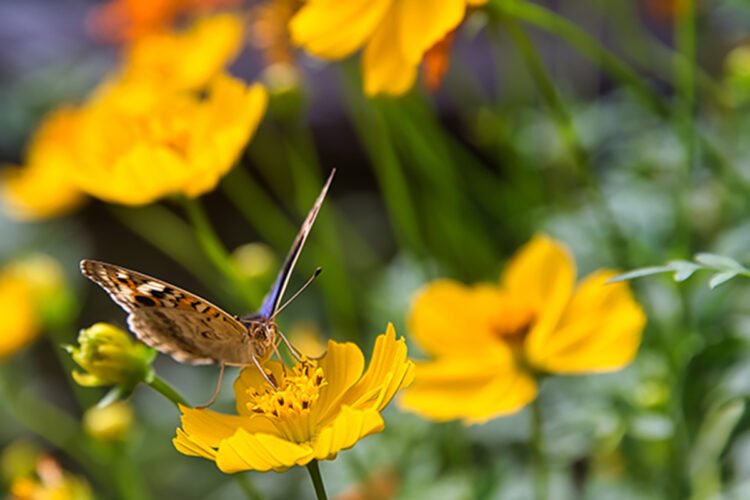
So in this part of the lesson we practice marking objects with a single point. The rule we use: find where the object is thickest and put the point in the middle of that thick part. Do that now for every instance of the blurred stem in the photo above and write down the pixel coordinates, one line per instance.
(50, 423)
(162, 387)
(170, 235)
(371, 129)
(618, 242)
(685, 40)
(248, 487)
(590, 47)
(541, 468)
(314, 469)
(216, 252)
(127, 476)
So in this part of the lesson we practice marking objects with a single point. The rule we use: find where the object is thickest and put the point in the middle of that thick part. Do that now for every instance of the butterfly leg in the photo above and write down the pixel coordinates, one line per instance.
(293, 350)
(263, 372)
(217, 391)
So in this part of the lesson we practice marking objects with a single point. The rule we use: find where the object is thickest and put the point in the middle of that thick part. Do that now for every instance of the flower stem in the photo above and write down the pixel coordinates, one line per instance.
(163, 388)
(217, 253)
(541, 469)
(314, 470)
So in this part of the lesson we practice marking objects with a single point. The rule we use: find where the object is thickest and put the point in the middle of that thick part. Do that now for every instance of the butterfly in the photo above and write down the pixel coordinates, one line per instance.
(190, 328)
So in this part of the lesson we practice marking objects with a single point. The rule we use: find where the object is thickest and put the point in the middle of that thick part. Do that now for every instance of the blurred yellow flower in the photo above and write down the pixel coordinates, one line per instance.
(42, 188)
(319, 408)
(395, 35)
(110, 357)
(50, 483)
(184, 60)
(489, 342)
(32, 290)
(181, 143)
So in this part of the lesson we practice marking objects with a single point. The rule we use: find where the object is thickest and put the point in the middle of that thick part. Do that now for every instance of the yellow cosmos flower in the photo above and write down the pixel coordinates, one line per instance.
(395, 35)
(50, 482)
(185, 60)
(489, 342)
(318, 409)
(42, 188)
(19, 322)
(183, 143)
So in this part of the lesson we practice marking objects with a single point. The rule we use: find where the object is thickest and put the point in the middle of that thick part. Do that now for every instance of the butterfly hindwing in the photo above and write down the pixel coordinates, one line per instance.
(170, 319)
(273, 299)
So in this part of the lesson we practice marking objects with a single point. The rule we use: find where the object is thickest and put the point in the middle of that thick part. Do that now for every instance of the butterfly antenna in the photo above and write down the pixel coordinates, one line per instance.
(296, 294)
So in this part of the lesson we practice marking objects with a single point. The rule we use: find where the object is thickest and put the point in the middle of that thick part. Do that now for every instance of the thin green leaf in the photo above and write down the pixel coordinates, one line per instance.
(720, 278)
(718, 262)
(639, 273)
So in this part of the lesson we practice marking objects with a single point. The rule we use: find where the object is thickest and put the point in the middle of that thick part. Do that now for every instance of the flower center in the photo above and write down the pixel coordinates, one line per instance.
(297, 392)
(512, 324)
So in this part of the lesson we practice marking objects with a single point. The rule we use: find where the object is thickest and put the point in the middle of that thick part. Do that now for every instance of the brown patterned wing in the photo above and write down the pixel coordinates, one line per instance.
(172, 320)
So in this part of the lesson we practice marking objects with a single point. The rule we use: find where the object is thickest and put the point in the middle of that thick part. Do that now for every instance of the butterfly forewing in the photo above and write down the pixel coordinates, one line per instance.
(273, 300)
(170, 319)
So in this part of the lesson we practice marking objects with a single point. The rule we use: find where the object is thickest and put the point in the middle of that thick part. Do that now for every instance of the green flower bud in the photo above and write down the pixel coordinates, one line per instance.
(110, 357)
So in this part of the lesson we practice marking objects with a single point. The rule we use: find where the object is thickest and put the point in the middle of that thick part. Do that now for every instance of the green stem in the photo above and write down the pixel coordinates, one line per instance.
(541, 468)
(169, 234)
(320, 489)
(585, 44)
(248, 487)
(217, 253)
(566, 127)
(159, 385)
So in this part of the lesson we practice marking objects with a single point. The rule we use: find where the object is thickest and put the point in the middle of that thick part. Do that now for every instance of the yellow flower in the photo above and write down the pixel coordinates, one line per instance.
(42, 188)
(395, 35)
(319, 408)
(182, 143)
(50, 483)
(110, 357)
(32, 290)
(489, 342)
(185, 60)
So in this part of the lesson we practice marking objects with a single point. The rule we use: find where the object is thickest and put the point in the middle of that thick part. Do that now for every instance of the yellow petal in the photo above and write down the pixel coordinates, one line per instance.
(261, 452)
(332, 29)
(342, 366)
(422, 23)
(474, 389)
(346, 429)
(600, 330)
(542, 273)
(192, 446)
(212, 427)
(19, 323)
(389, 371)
(386, 70)
(444, 318)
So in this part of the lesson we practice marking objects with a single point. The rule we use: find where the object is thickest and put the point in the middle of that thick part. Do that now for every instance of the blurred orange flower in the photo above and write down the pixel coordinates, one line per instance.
(395, 35)
(319, 408)
(489, 342)
(123, 20)
(42, 188)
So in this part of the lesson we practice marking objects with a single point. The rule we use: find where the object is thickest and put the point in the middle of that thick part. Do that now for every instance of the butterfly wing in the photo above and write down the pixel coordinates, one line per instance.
(273, 299)
(170, 319)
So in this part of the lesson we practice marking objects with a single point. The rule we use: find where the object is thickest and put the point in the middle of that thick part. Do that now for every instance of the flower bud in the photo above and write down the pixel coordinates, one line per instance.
(110, 357)
(109, 423)
(254, 260)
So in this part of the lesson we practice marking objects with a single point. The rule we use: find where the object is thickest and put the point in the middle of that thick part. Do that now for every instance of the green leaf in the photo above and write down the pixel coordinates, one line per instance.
(722, 277)
(718, 262)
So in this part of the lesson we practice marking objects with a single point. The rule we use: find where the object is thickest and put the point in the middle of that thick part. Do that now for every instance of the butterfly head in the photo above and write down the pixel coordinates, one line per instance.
(263, 333)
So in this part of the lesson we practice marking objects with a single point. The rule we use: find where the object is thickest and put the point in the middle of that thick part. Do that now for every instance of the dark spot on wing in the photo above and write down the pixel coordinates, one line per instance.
(144, 300)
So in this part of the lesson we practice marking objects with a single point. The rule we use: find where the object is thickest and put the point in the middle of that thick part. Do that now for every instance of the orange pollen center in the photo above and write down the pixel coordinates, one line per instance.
(513, 325)
(297, 392)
